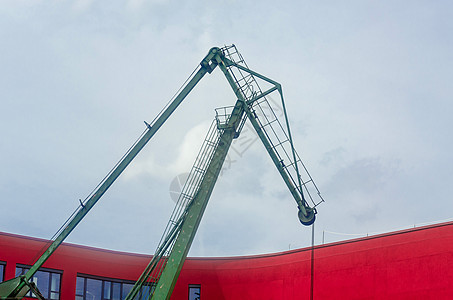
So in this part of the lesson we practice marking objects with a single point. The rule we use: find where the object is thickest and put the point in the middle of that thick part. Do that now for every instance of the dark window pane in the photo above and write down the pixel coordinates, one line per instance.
(54, 295)
(2, 272)
(145, 292)
(194, 292)
(55, 282)
(107, 287)
(41, 279)
(126, 289)
(116, 291)
(94, 289)
(80, 283)
(20, 271)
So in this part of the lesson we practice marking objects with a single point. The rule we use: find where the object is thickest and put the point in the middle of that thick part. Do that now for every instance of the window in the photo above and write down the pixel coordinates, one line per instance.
(97, 288)
(2, 271)
(194, 291)
(47, 281)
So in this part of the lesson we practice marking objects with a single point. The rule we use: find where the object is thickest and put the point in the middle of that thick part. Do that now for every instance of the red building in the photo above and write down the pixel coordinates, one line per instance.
(409, 264)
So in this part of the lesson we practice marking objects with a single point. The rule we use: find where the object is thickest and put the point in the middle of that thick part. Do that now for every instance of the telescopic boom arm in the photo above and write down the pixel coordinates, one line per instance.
(161, 274)
(19, 286)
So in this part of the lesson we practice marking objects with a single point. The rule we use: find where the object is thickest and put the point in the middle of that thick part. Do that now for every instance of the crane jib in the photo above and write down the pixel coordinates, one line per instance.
(252, 103)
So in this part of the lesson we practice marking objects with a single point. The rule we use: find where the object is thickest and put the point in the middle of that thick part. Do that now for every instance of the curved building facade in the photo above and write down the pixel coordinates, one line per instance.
(409, 264)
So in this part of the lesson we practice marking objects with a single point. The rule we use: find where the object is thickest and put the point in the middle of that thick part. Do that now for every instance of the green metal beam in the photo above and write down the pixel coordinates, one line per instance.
(300, 202)
(184, 233)
(206, 66)
(116, 173)
(277, 86)
(196, 209)
(192, 218)
(305, 209)
(229, 63)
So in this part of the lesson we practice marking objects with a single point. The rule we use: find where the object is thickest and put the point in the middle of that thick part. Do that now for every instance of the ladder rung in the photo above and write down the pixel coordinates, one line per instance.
(308, 181)
(210, 143)
(293, 163)
(279, 144)
(268, 123)
(200, 170)
(186, 196)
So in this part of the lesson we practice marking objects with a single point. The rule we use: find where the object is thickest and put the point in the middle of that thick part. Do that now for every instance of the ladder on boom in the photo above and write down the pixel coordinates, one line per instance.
(147, 282)
(275, 135)
(252, 102)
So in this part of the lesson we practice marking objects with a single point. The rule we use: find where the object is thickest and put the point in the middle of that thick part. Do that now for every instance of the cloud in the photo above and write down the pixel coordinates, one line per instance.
(184, 157)
(367, 89)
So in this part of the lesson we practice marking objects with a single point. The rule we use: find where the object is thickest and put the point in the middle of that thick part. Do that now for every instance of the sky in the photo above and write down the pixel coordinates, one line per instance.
(367, 87)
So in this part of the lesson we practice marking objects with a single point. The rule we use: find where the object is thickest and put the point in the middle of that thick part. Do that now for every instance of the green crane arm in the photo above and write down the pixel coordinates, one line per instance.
(161, 274)
(196, 209)
(271, 140)
(179, 238)
(16, 288)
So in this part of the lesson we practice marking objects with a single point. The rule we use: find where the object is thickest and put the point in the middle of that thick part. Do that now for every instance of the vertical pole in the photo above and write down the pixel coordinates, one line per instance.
(312, 260)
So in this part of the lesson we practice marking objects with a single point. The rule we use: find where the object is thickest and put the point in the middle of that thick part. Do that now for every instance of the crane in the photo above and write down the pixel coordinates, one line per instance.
(159, 277)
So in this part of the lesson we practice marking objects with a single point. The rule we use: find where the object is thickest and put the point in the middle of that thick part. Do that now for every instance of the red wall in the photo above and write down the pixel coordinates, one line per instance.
(410, 264)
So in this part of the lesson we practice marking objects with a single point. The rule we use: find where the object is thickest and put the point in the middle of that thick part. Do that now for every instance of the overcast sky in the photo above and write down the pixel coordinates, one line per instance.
(367, 87)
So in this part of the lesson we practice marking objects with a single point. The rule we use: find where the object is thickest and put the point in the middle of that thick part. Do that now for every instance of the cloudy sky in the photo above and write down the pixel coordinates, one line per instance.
(367, 87)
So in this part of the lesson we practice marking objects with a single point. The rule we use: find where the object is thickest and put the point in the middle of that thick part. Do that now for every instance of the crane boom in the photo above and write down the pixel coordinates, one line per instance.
(161, 274)
(17, 287)
(252, 103)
